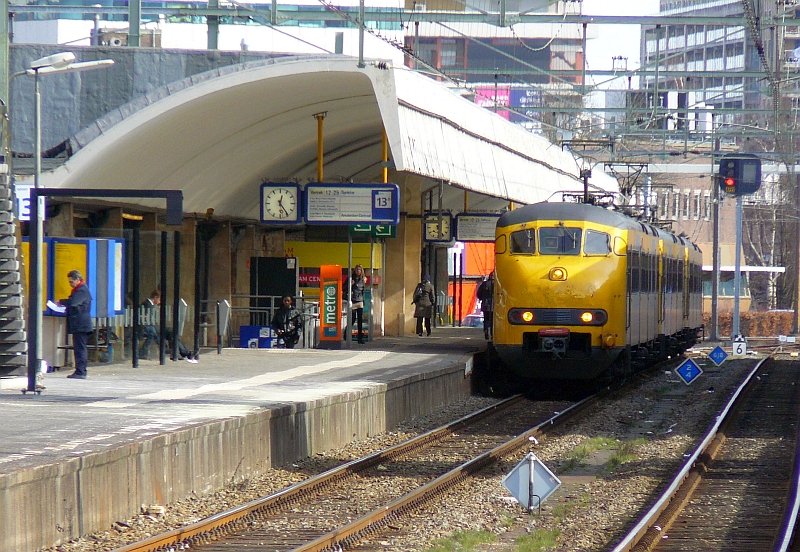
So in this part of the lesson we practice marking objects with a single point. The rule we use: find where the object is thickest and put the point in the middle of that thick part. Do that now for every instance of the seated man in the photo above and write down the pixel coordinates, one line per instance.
(287, 322)
(149, 330)
(183, 352)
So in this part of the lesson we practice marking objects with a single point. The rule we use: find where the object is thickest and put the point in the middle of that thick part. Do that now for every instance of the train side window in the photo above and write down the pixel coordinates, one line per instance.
(559, 241)
(500, 244)
(597, 243)
(523, 242)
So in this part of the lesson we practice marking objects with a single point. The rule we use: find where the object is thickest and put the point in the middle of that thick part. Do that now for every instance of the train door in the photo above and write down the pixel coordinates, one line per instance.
(685, 287)
(634, 296)
(660, 286)
(651, 313)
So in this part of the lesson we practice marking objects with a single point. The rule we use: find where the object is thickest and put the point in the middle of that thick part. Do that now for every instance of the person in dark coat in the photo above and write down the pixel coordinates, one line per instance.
(355, 286)
(486, 295)
(79, 321)
(424, 301)
(287, 322)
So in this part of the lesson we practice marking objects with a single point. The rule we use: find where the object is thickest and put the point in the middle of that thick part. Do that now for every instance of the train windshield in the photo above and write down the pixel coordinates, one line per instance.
(523, 242)
(559, 241)
(597, 243)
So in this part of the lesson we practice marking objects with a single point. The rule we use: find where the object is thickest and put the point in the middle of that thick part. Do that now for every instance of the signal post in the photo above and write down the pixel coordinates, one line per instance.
(739, 174)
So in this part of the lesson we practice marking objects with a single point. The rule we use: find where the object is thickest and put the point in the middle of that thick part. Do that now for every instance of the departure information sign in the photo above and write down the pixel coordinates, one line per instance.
(471, 227)
(352, 204)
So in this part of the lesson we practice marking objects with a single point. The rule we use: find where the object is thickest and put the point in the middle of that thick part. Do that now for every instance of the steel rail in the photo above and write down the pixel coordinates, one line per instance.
(229, 520)
(790, 516)
(646, 531)
(348, 535)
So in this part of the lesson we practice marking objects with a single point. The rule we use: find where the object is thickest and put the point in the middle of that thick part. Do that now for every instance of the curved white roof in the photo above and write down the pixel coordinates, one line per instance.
(217, 136)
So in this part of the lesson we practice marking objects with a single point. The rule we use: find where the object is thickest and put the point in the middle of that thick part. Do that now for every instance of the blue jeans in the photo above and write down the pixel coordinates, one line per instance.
(150, 336)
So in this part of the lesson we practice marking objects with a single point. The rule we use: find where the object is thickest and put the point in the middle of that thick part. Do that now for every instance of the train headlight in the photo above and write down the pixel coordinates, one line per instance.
(527, 316)
(558, 274)
(587, 317)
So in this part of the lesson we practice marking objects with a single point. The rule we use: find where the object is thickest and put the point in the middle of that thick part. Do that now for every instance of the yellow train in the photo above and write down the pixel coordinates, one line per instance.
(582, 291)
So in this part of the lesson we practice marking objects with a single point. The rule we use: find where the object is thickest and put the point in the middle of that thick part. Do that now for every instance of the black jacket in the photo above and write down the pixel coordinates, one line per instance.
(486, 295)
(79, 306)
(355, 286)
(288, 321)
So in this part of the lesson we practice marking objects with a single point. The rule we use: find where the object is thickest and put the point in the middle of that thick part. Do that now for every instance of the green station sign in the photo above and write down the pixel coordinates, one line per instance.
(375, 230)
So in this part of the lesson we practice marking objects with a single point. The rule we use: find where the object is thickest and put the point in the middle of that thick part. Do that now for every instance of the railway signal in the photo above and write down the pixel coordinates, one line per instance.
(740, 173)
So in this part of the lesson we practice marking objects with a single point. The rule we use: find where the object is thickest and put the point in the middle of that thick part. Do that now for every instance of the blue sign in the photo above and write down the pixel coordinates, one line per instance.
(688, 371)
(341, 204)
(718, 356)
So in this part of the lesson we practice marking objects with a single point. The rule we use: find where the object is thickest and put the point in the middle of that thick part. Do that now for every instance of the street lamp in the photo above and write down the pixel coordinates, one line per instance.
(62, 62)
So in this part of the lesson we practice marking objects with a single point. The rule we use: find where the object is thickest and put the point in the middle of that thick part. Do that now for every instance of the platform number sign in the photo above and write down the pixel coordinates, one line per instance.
(739, 346)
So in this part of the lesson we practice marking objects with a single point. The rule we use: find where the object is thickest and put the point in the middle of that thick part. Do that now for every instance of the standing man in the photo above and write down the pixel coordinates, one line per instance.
(79, 321)
(486, 295)
(424, 301)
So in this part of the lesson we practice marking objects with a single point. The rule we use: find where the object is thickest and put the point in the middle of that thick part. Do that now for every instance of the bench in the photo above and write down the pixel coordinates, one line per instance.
(102, 347)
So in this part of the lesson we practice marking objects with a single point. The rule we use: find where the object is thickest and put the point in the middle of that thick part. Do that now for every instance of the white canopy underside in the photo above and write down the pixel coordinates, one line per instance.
(219, 135)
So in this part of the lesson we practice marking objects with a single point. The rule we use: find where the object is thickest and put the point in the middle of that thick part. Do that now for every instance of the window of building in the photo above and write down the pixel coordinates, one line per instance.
(687, 204)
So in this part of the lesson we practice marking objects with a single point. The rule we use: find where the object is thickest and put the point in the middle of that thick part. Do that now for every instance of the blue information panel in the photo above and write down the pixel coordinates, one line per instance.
(718, 356)
(688, 371)
(352, 204)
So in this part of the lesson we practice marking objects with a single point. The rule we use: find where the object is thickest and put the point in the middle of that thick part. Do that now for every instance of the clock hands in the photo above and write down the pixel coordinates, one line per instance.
(282, 208)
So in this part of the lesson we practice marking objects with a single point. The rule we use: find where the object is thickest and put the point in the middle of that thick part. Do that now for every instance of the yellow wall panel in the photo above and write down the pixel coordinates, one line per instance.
(314, 254)
(66, 257)
(25, 253)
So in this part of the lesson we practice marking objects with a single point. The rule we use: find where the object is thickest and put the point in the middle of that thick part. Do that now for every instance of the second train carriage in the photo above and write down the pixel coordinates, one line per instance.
(581, 290)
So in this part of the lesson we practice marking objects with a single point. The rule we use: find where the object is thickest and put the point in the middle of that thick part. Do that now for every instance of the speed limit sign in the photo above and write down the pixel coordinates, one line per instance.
(739, 346)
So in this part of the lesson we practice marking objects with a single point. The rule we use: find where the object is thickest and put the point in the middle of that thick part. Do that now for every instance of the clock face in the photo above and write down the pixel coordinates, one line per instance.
(280, 203)
(432, 228)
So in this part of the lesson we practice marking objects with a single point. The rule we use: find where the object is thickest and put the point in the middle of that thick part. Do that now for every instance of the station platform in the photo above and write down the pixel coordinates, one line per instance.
(86, 453)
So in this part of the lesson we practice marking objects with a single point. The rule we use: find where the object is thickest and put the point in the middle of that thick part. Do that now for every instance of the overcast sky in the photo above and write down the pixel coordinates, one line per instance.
(616, 40)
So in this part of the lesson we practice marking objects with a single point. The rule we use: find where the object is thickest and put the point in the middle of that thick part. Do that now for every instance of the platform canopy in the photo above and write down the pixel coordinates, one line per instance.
(217, 136)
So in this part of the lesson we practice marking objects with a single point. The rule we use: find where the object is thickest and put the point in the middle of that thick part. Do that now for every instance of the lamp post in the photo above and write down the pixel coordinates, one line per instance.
(62, 62)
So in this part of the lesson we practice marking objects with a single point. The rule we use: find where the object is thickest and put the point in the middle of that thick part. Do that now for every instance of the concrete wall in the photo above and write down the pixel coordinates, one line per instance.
(52, 504)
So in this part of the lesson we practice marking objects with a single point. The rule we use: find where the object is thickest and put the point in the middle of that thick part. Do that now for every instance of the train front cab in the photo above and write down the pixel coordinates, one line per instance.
(560, 311)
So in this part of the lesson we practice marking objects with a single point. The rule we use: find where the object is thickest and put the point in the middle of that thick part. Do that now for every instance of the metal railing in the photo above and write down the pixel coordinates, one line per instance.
(259, 310)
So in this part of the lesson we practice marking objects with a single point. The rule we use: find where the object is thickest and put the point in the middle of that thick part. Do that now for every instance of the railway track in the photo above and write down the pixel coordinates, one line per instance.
(331, 508)
(346, 508)
(737, 491)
